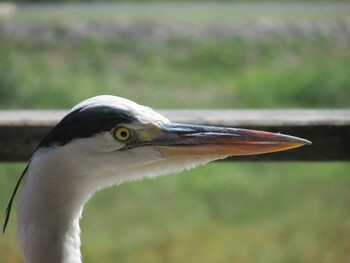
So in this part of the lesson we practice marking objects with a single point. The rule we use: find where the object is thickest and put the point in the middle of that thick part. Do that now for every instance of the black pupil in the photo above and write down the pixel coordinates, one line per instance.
(124, 134)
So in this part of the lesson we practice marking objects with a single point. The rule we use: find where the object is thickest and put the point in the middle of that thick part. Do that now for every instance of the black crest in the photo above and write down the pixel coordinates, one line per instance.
(84, 123)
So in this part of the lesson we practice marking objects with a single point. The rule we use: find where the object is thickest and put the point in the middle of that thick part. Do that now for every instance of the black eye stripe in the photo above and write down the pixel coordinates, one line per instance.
(84, 123)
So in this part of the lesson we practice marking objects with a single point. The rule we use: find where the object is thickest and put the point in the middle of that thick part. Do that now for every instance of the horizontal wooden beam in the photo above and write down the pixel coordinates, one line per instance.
(329, 130)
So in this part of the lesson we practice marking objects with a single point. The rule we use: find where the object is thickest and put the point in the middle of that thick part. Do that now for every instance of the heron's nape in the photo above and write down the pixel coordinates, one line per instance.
(106, 141)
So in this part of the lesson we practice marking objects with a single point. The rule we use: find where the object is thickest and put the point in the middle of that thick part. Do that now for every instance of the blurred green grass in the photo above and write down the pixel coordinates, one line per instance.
(231, 73)
(222, 212)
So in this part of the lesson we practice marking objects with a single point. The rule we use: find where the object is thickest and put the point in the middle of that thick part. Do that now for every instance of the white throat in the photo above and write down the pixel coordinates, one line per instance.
(55, 189)
(52, 198)
(48, 217)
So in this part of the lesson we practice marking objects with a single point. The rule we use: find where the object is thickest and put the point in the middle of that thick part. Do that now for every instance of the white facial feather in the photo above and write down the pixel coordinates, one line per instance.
(67, 176)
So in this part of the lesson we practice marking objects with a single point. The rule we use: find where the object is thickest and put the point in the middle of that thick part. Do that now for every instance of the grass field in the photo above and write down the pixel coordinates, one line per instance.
(222, 212)
(219, 74)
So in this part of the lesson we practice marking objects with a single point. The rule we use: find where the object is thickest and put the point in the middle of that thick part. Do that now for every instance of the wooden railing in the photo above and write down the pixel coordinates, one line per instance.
(329, 130)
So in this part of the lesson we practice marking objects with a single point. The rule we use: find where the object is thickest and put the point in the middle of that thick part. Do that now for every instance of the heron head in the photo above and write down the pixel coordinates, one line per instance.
(107, 140)
(104, 141)
(113, 140)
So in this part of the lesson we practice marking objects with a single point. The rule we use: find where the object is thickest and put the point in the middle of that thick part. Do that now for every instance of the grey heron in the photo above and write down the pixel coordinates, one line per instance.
(105, 141)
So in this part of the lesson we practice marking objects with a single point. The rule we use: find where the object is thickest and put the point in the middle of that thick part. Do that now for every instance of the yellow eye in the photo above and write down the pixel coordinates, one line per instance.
(122, 134)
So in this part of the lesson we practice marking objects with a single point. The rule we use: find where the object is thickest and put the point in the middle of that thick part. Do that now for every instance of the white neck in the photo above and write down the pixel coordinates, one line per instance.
(51, 240)
(48, 237)
(60, 181)
(49, 209)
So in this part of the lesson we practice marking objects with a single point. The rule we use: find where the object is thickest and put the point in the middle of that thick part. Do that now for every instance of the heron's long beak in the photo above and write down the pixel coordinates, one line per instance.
(180, 140)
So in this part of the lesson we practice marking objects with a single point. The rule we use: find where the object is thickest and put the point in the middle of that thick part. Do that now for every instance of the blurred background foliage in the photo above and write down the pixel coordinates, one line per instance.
(192, 55)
